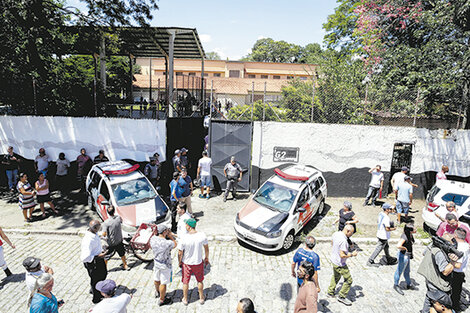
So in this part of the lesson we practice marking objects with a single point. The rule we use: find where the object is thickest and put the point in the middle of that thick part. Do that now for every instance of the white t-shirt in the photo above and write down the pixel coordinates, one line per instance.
(43, 162)
(441, 176)
(116, 304)
(465, 248)
(205, 165)
(397, 179)
(31, 277)
(181, 228)
(340, 243)
(192, 246)
(376, 179)
(383, 221)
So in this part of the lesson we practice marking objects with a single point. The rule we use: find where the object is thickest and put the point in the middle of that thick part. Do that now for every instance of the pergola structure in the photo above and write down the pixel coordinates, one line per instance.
(151, 42)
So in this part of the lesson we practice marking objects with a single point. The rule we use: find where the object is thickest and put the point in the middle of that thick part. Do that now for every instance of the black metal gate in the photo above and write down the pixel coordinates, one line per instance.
(402, 155)
(227, 139)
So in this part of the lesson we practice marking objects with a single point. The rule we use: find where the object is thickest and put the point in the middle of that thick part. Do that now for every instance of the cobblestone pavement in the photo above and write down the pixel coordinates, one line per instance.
(236, 272)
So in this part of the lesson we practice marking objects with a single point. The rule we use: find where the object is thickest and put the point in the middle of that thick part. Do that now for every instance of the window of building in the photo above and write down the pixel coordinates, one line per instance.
(303, 78)
(251, 76)
(206, 75)
(264, 76)
(276, 77)
(290, 77)
(179, 73)
(192, 74)
(216, 74)
(234, 73)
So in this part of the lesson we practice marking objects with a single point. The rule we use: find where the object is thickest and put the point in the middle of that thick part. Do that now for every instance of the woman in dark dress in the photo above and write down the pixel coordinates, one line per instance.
(346, 216)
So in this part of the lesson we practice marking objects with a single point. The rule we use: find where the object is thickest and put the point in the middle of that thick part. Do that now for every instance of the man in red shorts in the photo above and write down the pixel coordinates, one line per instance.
(190, 258)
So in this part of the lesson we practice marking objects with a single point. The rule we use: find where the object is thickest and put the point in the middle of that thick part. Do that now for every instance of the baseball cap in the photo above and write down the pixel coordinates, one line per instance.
(347, 204)
(404, 168)
(191, 222)
(386, 206)
(106, 286)
(184, 150)
(408, 177)
(177, 151)
(31, 263)
(161, 228)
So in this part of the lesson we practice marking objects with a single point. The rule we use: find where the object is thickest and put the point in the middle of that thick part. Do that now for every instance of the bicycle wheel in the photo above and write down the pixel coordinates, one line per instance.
(142, 254)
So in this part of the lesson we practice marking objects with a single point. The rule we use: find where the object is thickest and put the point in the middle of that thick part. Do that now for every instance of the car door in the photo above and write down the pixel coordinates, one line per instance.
(93, 187)
(303, 202)
(314, 197)
(103, 195)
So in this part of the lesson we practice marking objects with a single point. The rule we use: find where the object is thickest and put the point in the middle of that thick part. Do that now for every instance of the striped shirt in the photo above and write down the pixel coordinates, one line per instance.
(25, 201)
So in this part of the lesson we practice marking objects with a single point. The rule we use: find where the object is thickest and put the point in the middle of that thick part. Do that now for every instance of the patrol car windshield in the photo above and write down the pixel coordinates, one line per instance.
(275, 196)
(133, 191)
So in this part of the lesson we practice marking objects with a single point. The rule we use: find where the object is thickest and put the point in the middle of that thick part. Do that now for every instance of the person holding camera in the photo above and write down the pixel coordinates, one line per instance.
(405, 254)
(346, 216)
(161, 246)
(92, 256)
(437, 266)
(450, 226)
(459, 273)
(385, 226)
(339, 256)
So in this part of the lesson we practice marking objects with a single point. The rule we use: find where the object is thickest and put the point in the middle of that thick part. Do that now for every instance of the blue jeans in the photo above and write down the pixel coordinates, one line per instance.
(372, 193)
(403, 267)
(12, 178)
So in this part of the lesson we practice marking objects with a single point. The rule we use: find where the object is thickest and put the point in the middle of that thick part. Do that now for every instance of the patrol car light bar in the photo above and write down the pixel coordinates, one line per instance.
(290, 177)
(122, 172)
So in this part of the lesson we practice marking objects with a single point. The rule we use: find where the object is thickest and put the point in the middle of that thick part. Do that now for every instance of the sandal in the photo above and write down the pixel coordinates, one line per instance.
(185, 302)
(29, 220)
(202, 301)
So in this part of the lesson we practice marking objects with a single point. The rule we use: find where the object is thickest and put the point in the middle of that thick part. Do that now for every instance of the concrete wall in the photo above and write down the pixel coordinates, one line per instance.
(344, 153)
(119, 138)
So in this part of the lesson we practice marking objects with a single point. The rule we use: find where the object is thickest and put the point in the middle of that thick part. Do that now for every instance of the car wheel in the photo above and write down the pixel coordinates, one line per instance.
(321, 208)
(289, 240)
(90, 203)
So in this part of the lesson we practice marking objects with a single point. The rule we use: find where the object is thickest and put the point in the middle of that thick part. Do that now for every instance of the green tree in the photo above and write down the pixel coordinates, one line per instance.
(212, 56)
(269, 50)
(271, 112)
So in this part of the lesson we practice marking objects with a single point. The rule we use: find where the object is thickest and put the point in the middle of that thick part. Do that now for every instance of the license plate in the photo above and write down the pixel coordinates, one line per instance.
(249, 236)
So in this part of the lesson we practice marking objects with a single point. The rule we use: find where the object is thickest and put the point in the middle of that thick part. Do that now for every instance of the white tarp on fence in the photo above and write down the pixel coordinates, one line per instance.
(119, 138)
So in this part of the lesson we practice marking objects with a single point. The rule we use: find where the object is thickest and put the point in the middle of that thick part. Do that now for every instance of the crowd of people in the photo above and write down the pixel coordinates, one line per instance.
(443, 265)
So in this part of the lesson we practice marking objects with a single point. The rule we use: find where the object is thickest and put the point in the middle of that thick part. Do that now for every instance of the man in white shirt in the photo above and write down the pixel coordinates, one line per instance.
(190, 259)
(459, 273)
(376, 185)
(110, 303)
(340, 253)
(385, 226)
(183, 216)
(41, 162)
(92, 256)
(34, 269)
(204, 173)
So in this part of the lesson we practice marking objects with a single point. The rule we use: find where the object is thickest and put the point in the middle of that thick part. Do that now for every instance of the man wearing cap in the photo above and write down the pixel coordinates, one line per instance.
(185, 186)
(190, 258)
(161, 245)
(112, 230)
(404, 196)
(92, 256)
(183, 216)
(234, 173)
(385, 226)
(184, 161)
(100, 158)
(176, 161)
(111, 303)
(34, 269)
(151, 170)
(375, 186)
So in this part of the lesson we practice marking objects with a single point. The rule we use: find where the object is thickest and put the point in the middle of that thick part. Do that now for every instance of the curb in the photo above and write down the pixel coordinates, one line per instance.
(223, 238)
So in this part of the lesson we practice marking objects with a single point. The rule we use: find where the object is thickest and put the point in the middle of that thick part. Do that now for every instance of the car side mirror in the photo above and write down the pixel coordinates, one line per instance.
(301, 210)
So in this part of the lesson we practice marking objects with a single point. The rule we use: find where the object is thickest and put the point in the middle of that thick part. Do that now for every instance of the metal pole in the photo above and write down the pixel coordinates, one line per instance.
(313, 97)
(252, 98)
(264, 102)
(202, 83)
(210, 101)
(171, 69)
(95, 100)
(150, 79)
(416, 108)
(103, 69)
(34, 97)
(131, 72)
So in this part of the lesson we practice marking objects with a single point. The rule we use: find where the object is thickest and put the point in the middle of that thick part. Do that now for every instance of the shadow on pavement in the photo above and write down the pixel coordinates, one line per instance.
(285, 293)
(211, 293)
(15, 278)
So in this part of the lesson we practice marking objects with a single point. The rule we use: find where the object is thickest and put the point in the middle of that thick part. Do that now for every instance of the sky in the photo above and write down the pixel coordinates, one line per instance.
(231, 28)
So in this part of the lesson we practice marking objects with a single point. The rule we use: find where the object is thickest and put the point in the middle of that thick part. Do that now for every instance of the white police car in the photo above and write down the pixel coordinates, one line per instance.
(135, 199)
(281, 207)
(441, 193)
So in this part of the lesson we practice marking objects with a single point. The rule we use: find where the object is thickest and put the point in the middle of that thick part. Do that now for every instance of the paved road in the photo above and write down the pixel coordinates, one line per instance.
(236, 272)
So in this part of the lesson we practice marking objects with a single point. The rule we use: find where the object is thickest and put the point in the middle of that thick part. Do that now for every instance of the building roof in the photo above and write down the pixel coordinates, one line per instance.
(138, 41)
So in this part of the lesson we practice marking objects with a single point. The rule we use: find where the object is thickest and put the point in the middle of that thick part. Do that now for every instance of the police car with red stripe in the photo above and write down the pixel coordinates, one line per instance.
(135, 199)
(281, 207)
